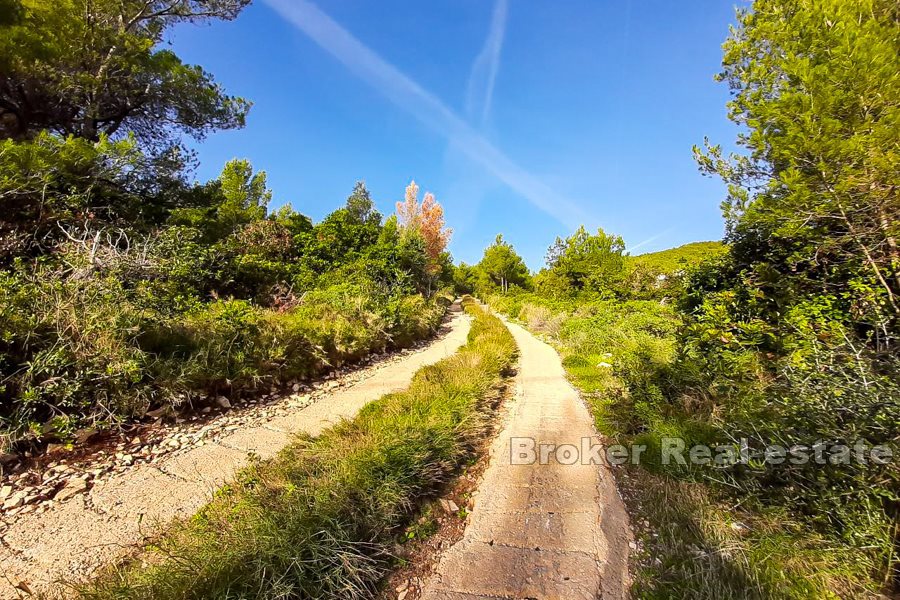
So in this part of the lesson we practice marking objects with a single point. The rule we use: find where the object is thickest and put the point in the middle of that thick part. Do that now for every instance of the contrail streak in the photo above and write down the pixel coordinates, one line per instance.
(631, 249)
(406, 93)
(488, 58)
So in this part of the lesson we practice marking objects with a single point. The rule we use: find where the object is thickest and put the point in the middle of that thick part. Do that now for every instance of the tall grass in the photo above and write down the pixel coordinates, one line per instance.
(707, 536)
(94, 351)
(317, 520)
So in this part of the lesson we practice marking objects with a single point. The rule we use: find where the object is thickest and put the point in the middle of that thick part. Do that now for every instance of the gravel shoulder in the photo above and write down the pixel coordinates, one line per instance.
(540, 530)
(99, 516)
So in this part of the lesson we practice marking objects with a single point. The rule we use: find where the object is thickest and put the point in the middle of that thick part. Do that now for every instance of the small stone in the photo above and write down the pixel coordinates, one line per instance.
(738, 527)
(449, 506)
(83, 436)
(223, 402)
(158, 413)
(296, 387)
(206, 410)
(72, 488)
(21, 585)
(56, 448)
(15, 501)
(5, 492)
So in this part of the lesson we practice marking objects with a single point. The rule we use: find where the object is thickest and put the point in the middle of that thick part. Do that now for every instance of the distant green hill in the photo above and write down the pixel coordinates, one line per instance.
(676, 259)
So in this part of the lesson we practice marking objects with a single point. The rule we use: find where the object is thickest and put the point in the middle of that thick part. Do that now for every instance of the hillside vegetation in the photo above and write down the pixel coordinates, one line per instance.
(318, 520)
(674, 260)
(784, 337)
(125, 286)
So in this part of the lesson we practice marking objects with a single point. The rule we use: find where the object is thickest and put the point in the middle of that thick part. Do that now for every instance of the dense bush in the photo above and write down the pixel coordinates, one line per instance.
(122, 287)
(78, 350)
(791, 336)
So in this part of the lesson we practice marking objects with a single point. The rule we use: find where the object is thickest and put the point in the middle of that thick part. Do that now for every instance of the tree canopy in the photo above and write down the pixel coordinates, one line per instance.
(813, 206)
(425, 220)
(588, 262)
(503, 267)
(90, 68)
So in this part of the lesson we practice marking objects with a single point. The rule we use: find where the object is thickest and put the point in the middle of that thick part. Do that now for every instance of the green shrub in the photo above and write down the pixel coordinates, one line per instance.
(651, 372)
(68, 351)
(317, 520)
(81, 348)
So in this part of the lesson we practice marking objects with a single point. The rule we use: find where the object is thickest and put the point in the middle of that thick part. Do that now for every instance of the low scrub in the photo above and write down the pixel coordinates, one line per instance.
(78, 351)
(651, 372)
(701, 544)
(317, 520)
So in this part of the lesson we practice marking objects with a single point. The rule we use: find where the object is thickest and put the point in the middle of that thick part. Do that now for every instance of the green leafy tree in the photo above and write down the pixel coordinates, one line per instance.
(503, 267)
(296, 223)
(360, 205)
(553, 284)
(400, 259)
(94, 67)
(588, 262)
(238, 197)
(813, 204)
(345, 235)
(49, 185)
(245, 195)
(792, 334)
(465, 278)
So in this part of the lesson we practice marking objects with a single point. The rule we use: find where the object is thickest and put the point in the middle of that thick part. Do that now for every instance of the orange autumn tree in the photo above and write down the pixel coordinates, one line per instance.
(427, 221)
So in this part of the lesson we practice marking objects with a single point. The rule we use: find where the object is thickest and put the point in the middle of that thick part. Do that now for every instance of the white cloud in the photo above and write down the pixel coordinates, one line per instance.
(426, 107)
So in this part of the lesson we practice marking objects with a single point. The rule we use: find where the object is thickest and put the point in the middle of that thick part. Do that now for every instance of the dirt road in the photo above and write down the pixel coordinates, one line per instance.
(75, 537)
(545, 531)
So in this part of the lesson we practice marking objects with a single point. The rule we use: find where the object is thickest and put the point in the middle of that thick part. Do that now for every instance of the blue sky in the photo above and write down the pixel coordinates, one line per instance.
(524, 118)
